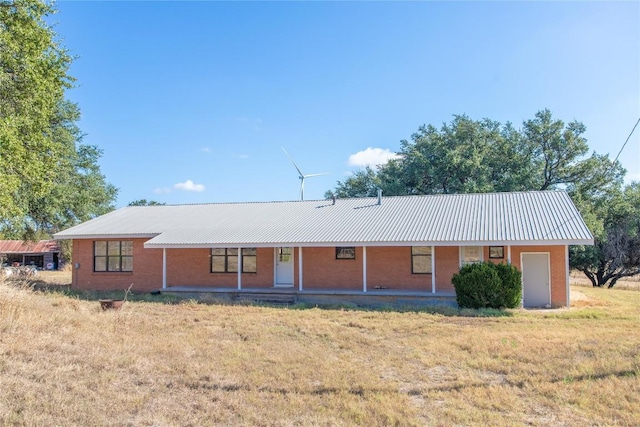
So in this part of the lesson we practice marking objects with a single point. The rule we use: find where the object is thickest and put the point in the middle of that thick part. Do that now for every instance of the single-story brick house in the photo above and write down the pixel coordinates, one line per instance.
(43, 254)
(397, 245)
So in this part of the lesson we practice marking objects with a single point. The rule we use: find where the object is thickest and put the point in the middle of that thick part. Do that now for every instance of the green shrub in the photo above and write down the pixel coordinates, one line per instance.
(488, 285)
(511, 295)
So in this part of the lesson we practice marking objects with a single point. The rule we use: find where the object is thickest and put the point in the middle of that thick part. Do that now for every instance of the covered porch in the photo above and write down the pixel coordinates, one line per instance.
(323, 297)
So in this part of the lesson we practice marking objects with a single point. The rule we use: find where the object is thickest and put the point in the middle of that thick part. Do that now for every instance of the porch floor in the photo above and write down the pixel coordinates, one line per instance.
(290, 295)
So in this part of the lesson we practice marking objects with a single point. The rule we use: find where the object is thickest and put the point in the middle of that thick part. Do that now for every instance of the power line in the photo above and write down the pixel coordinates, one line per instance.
(625, 143)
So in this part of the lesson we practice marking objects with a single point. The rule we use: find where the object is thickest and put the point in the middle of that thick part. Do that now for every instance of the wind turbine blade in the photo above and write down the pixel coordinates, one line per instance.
(316, 174)
(302, 188)
(294, 163)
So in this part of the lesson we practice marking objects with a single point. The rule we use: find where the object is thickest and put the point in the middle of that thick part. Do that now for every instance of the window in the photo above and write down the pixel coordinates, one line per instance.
(496, 252)
(284, 254)
(348, 252)
(421, 259)
(470, 255)
(113, 255)
(225, 260)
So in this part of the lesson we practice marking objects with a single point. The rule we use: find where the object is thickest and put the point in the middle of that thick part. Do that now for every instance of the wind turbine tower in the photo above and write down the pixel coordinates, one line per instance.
(301, 176)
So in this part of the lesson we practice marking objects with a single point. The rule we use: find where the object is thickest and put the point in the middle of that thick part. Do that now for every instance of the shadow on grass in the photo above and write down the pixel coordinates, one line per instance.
(66, 290)
(629, 373)
(443, 310)
(157, 297)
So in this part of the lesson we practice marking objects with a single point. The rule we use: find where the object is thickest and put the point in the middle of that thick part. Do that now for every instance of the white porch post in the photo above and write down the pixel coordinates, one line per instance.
(433, 269)
(239, 268)
(364, 269)
(509, 254)
(164, 268)
(566, 256)
(300, 268)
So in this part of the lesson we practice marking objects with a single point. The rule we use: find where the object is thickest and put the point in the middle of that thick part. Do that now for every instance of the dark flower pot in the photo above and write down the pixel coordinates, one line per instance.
(111, 304)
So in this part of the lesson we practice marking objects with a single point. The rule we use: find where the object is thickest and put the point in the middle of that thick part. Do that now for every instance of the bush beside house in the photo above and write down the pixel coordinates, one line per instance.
(488, 285)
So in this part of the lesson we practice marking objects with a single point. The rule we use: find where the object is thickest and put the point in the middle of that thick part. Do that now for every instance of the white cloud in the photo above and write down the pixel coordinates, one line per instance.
(372, 157)
(189, 185)
(206, 149)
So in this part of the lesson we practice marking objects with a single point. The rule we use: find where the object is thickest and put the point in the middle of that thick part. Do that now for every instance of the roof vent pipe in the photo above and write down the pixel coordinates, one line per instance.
(333, 198)
(379, 196)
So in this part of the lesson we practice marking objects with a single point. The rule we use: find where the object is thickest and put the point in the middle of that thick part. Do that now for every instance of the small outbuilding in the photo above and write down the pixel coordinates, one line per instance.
(44, 254)
(406, 246)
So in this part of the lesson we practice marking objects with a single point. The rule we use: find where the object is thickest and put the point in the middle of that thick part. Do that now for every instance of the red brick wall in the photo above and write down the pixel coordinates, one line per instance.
(386, 267)
(447, 264)
(391, 267)
(192, 267)
(146, 275)
(321, 269)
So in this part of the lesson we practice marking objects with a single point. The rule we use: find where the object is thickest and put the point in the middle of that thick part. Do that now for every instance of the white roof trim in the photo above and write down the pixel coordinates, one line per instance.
(105, 236)
(367, 244)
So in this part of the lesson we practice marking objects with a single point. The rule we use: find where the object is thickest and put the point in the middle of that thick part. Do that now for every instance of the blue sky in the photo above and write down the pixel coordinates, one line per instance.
(192, 101)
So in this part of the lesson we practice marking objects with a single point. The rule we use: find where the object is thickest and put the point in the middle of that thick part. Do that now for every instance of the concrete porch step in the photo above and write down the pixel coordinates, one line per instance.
(264, 298)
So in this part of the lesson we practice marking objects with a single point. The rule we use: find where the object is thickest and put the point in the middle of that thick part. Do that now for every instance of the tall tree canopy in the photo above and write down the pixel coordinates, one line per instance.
(474, 156)
(613, 217)
(50, 179)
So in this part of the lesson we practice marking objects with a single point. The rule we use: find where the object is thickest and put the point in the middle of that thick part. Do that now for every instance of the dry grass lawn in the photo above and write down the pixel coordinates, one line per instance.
(65, 362)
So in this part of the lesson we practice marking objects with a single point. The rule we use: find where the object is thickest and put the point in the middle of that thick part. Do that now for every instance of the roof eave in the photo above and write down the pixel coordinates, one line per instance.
(201, 245)
(59, 236)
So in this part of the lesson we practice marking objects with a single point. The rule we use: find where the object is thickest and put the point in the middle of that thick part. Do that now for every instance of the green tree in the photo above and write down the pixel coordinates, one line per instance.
(145, 202)
(363, 183)
(614, 219)
(476, 156)
(556, 150)
(50, 179)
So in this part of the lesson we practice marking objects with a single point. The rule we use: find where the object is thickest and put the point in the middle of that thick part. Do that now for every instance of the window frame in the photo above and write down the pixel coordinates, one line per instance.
(415, 255)
(463, 255)
(499, 250)
(109, 257)
(227, 256)
(349, 251)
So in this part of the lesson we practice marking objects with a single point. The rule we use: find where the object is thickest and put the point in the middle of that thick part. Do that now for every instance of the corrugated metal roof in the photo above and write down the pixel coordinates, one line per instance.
(20, 247)
(536, 217)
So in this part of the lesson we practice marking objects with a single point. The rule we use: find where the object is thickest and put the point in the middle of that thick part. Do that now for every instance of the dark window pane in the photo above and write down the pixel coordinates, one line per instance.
(284, 254)
(217, 251)
(232, 264)
(127, 247)
(422, 264)
(249, 251)
(100, 263)
(249, 264)
(346, 253)
(217, 264)
(114, 263)
(113, 247)
(127, 263)
(100, 248)
(421, 250)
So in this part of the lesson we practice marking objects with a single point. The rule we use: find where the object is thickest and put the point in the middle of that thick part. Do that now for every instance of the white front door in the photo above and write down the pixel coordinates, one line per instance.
(284, 266)
(536, 291)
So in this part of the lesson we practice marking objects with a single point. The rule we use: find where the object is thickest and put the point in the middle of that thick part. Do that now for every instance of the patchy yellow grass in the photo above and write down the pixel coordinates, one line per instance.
(65, 362)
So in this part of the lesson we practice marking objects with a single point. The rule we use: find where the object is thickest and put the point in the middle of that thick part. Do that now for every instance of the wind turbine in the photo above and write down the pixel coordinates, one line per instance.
(301, 176)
